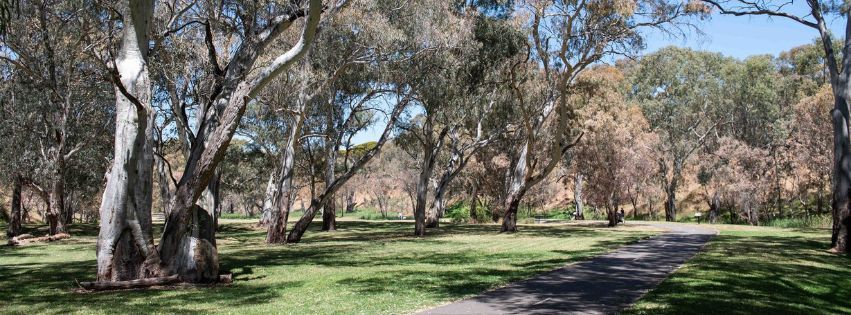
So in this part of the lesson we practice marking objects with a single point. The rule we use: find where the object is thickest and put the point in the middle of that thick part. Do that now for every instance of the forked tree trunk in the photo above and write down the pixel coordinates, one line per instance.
(453, 168)
(188, 247)
(14, 228)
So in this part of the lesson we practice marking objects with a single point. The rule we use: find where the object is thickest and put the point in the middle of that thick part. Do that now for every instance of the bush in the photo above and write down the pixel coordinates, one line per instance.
(459, 212)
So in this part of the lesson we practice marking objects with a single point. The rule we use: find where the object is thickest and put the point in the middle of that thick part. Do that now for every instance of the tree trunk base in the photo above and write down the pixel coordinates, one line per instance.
(148, 283)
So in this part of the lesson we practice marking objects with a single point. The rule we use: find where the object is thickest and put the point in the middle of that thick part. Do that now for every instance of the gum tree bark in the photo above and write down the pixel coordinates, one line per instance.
(125, 248)
(14, 228)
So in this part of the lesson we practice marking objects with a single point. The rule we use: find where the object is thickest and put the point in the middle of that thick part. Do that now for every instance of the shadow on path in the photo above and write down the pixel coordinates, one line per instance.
(603, 285)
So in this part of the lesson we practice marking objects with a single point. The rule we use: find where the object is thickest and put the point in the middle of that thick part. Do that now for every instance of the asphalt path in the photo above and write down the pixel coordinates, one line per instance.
(605, 284)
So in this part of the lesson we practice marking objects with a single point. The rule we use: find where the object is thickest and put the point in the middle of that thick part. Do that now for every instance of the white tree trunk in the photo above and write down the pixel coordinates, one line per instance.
(277, 231)
(125, 248)
(268, 201)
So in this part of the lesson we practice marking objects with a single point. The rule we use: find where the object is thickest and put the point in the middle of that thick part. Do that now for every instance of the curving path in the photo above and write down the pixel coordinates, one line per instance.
(603, 285)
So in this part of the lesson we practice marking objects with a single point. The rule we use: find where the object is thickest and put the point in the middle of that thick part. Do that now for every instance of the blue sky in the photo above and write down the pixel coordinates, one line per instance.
(736, 36)
(742, 36)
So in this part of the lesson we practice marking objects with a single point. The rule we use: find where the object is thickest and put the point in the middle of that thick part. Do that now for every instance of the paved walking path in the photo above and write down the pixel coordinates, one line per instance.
(603, 285)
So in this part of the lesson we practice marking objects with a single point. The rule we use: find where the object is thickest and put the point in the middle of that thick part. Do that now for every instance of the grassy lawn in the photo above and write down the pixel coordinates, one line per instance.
(753, 270)
(367, 268)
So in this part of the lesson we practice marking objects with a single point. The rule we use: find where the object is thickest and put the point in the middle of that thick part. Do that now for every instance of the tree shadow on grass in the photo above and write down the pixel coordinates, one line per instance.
(45, 288)
(757, 275)
(33, 282)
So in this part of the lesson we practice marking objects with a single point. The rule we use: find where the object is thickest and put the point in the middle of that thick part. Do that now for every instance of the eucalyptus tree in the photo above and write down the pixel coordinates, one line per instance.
(566, 37)
(337, 92)
(477, 103)
(837, 63)
(684, 95)
(187, 248)
(412, 45)
(56, 105)
(613, 157)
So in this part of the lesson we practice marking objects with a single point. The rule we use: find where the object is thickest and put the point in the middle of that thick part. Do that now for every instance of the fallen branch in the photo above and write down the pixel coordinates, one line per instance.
(131, 284)
(142, 283)
(25, 239)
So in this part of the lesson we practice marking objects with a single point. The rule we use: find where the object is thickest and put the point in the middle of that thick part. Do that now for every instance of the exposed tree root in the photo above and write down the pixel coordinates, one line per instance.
(25, 239)
(173, 280)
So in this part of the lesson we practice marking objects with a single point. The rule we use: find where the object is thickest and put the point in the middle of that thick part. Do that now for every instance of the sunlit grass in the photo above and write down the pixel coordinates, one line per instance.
(365, 268)
(755, 270)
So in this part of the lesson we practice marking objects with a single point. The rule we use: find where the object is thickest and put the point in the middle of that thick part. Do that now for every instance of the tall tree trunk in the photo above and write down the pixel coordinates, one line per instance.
(268, 201)
(164, 181)
(633, 199)
(611, 215)
(509, 219)
(671, 200)
(517, 186)
(14, 228)
(426, 168)
(650, 207)
(56, 207)
(577, 197)
(714, 208)
(125, 247)
(839, 81)
(438, 204)
(277, 232)
(329, 212)
(474, 202)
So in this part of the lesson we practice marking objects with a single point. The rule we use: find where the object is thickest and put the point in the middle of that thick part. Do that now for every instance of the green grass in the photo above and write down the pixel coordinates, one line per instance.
(752, 270)
(366, 268)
